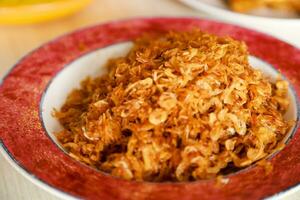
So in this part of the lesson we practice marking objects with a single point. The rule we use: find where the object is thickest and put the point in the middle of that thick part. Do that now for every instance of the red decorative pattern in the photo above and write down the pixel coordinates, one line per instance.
(27, 142)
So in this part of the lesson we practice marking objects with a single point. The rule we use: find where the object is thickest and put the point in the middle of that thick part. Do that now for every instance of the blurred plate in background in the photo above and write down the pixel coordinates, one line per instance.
(281, 24)
(221, 8)
(35, 11)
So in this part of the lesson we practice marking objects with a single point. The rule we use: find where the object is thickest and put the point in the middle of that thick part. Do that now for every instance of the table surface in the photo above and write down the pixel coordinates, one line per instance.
(16, 41)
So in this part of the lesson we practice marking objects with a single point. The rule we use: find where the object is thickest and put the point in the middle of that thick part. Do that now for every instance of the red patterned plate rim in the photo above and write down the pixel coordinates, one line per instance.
(24, 139)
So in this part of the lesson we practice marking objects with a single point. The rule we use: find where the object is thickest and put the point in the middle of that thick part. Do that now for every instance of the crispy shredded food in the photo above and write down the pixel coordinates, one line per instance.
(180, 106)
(248, 5)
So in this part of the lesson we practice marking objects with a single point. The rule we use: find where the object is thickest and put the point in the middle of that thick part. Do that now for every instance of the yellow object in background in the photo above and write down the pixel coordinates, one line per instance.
(34, 11)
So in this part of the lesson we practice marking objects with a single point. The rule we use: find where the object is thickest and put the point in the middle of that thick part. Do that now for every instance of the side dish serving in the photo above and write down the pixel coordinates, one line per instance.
(248, 5)
(180, 106)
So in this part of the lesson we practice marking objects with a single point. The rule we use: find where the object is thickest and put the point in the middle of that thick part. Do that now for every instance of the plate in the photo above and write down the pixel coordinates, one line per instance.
(286, 28)
(18, 13)
(219, 7)
(40, 81)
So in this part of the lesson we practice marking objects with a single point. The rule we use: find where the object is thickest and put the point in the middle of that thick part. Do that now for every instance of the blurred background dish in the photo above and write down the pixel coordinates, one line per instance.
(34, 11)
(281, 23)
(272, 8)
